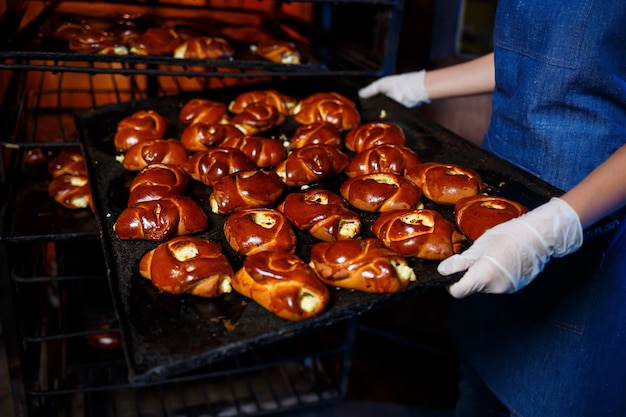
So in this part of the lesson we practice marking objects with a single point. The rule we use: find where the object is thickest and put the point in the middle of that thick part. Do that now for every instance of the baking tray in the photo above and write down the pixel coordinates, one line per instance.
(165, 334)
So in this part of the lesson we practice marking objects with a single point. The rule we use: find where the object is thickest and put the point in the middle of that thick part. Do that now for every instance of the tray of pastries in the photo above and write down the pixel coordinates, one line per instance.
(236, 217)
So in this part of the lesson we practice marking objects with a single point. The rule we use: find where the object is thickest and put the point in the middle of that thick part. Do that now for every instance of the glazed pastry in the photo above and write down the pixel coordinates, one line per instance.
(372, 134)
(361, 264)
(71, 191)
(311, 164)
(245, 189)
(388, 157)
(381, 192)
(205, 47)
(333, 108)
(160, 220)
(155, 182)
(317, 133)
(257, 118)
(188, 265)
(68, 162)
(475, 214)
(154, 151)
(255, 230)
(283, 284)
(203, 136)
(421, 233)
(199, 110)
(281, 52)
(97, 42)
(139, 126)
(261, 151)
(281, 102)
(445, 183)
(321, 213)
(211, 165)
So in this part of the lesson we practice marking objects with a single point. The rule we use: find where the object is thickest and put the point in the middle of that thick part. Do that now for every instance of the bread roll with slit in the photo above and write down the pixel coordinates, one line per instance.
(372, 134)
(154, 151)
(381, 192)
(245, 189)
(188, 265)
(270, 97)
(202, 136)
(157, 181)
(139, 126)
(445, 183)
(67, 162)
(475, 214)
(213, 164)
(200, 110)
(283, 284)
(332, 107)
(361, 264)
(71, 191)
(261, 151)
(255, 230)
(388, 157)
(311, 164)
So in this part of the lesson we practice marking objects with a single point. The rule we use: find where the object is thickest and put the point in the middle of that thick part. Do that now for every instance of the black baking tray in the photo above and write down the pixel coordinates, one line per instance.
(165, 334)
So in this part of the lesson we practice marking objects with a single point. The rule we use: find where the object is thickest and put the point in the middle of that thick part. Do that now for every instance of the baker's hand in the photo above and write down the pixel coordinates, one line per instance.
(407, 89)
(510, 255)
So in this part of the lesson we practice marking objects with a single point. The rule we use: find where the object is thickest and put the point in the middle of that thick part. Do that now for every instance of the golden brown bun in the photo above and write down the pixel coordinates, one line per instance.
(139, 126)
(245, 189)
(202, 136)
(321, 213)
(372, 134)
(318, 133)
(445, 183)
(211, 165)
(204, 47)
(311, 164)
(157, 181)
(361, 264)
(381, 192)
(71, 191)
(155, 41)
(383, 158)
(188, 265)
(97, 42)
(420, 233)
(257, 118)
(155, 151)
(255, 230)
(281, 102)
(281, 52)
(67, 162)
(261, 151)
(475, 214)
(160, 220)
(199, 110)
(283, 284)
(331, 107)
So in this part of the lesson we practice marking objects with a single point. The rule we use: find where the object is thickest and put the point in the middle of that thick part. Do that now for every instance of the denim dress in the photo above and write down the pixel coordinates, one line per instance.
(557, 348)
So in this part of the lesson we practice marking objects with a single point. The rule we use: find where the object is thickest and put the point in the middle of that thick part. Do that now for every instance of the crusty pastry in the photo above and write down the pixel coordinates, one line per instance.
(200, 110)
(245, 189)
(261, 151)
(160, 220)
(71, 191)
(68, 161)
(381, 192)
(318, 133)
(97, 42)
(311, 164)
(139, 126)
(210, 165)
(257, 118)
(475, 214)
(421, 233)
(323, 214)
(259, 229)
(154, 151)
(328, 107)
(283, 284)
(188, 265)
(157, 181)
(368, 135)
(387, 157)
(282, 52)
(270, 97)
(445, 183)
(201, 136)
(204, 47)
(361, 264)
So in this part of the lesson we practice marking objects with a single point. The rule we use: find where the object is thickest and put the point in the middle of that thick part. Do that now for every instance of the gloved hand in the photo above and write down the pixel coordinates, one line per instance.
(407, 89)
(509, 256)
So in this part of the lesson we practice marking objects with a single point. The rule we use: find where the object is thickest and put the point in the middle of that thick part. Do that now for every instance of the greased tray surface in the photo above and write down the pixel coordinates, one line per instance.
(165, 334)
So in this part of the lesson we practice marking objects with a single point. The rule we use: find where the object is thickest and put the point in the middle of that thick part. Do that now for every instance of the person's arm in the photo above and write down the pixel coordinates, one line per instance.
(413, 88)
(509, 256)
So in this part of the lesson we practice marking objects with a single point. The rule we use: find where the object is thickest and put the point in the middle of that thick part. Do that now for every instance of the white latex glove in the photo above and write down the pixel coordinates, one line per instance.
(407, 89)
(510, 255)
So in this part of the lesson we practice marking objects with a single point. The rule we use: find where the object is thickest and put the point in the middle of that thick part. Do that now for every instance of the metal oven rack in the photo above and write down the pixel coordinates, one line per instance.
(56, 307)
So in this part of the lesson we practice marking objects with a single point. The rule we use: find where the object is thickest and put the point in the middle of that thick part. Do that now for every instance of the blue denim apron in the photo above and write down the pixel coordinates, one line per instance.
(557, 348)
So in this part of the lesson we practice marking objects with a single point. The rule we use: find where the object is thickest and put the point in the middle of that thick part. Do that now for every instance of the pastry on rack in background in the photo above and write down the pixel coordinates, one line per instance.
(421, 233)
(155, 41)
(71, 191)
(388, 157)
(311, 164)
(283, 284)
(188, 265)
(361, 264)
(475, 214)
(255, 230)
(381, 192)
(204, 47)
(68, 161)
(139, 126)
(281, 52)
(445, 183)
(97, 42)
(322, 213)
(160, 220)
(154, 151)
(245, 189)
(368, 135)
